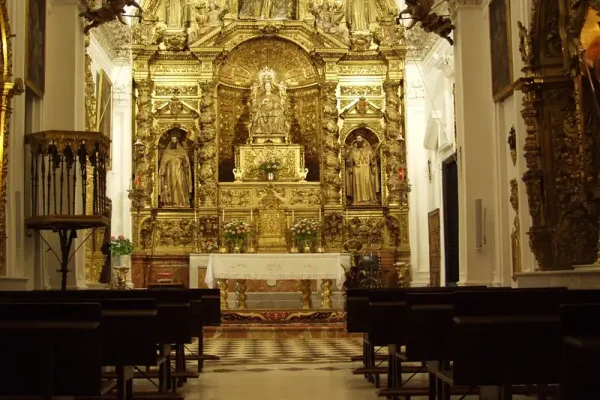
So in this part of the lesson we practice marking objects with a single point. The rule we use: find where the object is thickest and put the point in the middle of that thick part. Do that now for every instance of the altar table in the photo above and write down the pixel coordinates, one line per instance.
(303, 267)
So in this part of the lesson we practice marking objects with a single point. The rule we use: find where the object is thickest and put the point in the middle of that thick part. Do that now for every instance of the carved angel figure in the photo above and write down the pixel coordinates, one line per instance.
(110, 10)
(327, 16)
(421, 11)
(210, 14)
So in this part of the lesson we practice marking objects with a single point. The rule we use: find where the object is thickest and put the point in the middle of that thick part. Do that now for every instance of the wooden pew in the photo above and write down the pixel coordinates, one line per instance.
(52, 349)
(508, 339)
(381, 315)
(206, 311)
(168, 323)
(580, 335)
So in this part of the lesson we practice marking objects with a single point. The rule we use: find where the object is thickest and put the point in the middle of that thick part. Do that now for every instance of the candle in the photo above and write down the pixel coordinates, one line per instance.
(292, 216)
(251, 215)
(223, 215)
(319, 215)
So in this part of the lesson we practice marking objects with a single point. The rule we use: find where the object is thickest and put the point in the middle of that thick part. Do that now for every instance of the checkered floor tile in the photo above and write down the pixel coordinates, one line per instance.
(280, 351)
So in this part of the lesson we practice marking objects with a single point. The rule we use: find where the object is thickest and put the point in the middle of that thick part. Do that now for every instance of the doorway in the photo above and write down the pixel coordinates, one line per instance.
(450, 200)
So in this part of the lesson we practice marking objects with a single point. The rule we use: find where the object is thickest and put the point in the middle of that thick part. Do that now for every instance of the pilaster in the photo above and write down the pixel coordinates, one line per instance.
(475, 144)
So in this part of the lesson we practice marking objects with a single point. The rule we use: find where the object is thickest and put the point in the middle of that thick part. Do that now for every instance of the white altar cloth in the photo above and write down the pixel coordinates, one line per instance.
(277, 266)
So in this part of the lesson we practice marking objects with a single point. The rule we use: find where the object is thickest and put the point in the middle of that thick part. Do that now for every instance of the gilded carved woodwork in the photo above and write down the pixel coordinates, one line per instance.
(331, 141)
(290, 156)
(208, 172)
(291, 65)
(145, 155)
(369, 230)
(561, 176)
(235, 198)
(515, 235)
(177, 234)
(309, 197)
(394, 147)
(333, 230)
(210, 77)
(9, 88)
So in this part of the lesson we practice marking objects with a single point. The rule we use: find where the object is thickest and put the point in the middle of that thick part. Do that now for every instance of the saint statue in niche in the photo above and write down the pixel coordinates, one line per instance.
(268, 104)
(175, 184)
(357, 15)
(264, 9)
(175, 13)
(362, 182)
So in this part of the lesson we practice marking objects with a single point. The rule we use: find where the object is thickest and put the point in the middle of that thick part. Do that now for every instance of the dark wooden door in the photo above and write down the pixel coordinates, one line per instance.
(450, 189)
(434, 248)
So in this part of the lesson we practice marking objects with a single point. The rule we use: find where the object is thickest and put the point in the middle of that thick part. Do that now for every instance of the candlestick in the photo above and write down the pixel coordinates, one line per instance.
(223, 214)
(292, 216)
(251, 215)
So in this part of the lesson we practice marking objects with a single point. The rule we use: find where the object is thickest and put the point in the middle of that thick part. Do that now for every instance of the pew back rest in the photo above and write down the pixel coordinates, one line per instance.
(357, 308)
(509, 302)
(388, 310)
(51, 347)
(506, 337)
(580, 320)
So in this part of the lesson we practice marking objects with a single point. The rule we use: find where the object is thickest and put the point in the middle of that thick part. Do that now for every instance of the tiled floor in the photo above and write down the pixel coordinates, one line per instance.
(283, 368)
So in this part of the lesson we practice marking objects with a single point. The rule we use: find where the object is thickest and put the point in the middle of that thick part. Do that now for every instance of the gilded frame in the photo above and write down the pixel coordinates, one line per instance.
(501, 49)
(104, 109)
(35, 75)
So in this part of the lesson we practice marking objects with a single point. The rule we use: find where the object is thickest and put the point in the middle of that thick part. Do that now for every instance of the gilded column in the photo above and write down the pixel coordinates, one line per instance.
(207, 155)
(144, 166)
(331, 148)
(394, 147)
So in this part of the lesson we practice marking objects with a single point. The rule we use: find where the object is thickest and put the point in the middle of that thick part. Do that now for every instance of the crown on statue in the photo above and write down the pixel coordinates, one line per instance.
(266, 75)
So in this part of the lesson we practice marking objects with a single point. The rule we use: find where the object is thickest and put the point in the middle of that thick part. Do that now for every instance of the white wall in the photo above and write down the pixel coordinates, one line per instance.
(429, 116)
(118, 180)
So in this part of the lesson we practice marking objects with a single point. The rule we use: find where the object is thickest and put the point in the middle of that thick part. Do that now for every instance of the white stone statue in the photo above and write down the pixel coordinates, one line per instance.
(269, 120)
(357, 15)
(362, 177)
(175, 184)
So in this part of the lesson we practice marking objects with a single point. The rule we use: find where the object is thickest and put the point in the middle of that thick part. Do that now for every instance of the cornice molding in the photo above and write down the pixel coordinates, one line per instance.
(454, 5)
(114, 38)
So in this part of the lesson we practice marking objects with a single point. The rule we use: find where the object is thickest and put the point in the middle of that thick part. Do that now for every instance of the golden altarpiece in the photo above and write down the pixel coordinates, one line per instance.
(220, 87)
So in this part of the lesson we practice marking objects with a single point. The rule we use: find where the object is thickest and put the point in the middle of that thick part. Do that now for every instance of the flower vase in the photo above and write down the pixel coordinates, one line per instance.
(123, 262)
(270, 176)
(237, 247)
(307, 246)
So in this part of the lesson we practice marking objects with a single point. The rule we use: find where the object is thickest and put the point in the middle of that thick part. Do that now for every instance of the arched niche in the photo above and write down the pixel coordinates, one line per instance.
(293, 66)
(170, 144)
(350, 140)
(290, 62)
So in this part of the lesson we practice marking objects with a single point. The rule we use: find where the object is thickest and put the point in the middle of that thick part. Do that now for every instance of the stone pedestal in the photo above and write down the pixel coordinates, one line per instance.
(581, 277)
